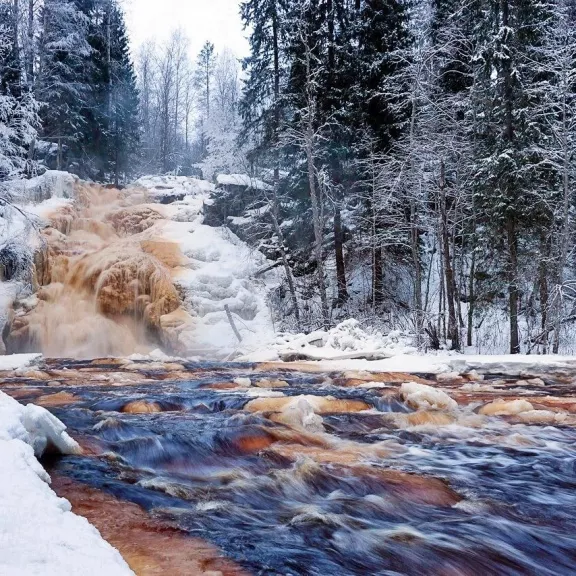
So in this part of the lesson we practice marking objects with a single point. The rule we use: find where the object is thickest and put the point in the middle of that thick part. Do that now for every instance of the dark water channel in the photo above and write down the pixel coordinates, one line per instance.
(506, 503)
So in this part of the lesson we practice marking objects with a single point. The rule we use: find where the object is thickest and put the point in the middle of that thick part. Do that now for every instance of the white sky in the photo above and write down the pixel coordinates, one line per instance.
(215, 20)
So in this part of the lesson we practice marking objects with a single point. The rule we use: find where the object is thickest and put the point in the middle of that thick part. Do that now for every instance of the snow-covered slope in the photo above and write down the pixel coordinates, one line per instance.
(39, 535)
(219, 273)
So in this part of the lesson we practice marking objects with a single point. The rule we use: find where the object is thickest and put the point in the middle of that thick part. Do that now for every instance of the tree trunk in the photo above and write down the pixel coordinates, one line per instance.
(377, 292)
(543, 290)
(339, 251)
(565, 233)
(453, 328)
(415, 249)
(471, 298)
(30, 47)
(513, 293)
(315, 196)
(318, 225)
(275, 205)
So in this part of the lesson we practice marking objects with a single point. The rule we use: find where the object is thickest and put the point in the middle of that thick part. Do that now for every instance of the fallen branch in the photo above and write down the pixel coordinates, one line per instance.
(267, 268)
(231, 320)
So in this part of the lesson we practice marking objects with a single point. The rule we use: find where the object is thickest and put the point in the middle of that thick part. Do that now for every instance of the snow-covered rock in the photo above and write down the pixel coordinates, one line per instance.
(51, 184)
(219, 275)
(423, 397)
(242, 180)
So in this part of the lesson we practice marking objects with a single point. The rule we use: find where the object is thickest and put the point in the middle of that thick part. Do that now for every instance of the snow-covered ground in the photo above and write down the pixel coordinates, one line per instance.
(345, 341)
(348, 347)
(39, 535)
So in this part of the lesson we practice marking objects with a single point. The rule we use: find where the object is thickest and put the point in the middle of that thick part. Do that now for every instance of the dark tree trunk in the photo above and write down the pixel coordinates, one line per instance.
(513, 293)
(543, 289)
(471, 298)
(339, 250)
(453, 328)
(377, 292)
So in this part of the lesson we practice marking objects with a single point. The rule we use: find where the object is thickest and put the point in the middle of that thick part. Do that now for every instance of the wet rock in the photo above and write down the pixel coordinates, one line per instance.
(58, 399)
(141, 407)
(428, 418)
(243, 382)
(320, 404)
(450, 377)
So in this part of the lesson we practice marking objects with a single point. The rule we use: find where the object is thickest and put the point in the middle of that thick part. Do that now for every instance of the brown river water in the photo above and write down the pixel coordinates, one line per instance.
(227, 468)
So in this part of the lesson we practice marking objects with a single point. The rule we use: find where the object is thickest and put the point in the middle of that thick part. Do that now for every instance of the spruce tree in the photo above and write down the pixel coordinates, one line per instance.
(62, 80)
(123, 129)
(110, 134)
(511, 178)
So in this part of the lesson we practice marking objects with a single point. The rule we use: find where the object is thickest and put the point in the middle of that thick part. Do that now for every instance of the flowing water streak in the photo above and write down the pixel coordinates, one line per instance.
(295, 473)
(104, 280)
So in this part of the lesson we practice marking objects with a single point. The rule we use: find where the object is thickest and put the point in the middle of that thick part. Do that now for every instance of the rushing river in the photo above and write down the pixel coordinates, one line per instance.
(349, 479)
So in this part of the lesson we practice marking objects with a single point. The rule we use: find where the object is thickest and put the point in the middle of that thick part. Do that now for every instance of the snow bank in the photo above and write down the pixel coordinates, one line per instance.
(39, 535)
(345, 341)
(15, 361)
(513, 363)
(35, 426)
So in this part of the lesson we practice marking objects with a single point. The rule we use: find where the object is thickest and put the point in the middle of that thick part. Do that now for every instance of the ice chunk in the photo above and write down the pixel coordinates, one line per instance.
(506, 408)
(35, 426)
(422, 397)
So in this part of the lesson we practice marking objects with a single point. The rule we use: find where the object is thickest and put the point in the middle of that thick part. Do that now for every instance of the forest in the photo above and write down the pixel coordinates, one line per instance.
(413, 162)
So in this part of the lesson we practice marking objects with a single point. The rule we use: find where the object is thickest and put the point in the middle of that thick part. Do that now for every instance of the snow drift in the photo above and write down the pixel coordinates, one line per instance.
(39, 535)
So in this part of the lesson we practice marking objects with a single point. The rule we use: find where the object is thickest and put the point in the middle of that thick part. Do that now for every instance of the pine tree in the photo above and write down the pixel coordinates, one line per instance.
(110, 133)
(204, 77)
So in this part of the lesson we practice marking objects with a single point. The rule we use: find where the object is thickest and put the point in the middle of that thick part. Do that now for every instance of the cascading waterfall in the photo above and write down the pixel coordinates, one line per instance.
(103, 284)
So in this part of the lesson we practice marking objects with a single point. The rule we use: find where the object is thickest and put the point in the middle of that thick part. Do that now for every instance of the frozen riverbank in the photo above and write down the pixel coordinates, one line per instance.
(39, 535)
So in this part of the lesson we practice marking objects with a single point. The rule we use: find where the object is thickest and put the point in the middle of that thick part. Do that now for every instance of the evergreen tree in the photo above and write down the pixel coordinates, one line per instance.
(18, 108)
(123, 126)
(511, 178)
(261, 103)
(111, 133)
(62, 81)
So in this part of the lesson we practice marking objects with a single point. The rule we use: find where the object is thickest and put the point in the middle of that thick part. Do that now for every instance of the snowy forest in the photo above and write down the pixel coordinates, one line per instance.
(409, 164)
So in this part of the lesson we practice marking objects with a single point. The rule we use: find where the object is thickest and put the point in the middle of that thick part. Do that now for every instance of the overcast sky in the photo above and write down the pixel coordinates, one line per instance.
(215, 20)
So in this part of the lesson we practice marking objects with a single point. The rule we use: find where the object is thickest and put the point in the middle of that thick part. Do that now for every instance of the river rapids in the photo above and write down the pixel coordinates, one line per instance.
(279, 469)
